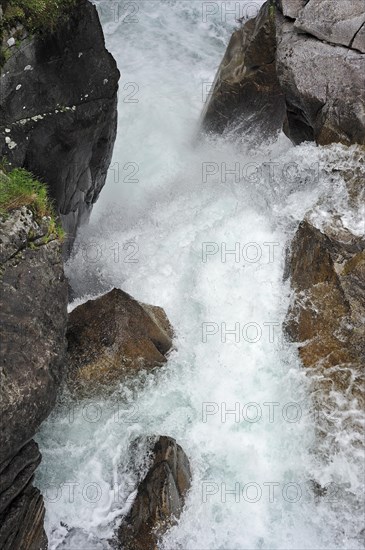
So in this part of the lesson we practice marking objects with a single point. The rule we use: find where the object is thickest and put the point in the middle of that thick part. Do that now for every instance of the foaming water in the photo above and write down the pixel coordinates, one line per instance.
(237, 402)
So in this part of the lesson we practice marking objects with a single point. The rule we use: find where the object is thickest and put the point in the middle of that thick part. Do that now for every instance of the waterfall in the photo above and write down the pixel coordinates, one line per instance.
(199, 226)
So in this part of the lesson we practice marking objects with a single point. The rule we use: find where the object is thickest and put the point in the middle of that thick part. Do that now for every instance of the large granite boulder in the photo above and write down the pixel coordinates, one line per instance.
(33, 318)
(326, 316)
(277, 76)
(160, 498)
(246, 94)
(323, 104)
(113, 337)
(58, 113)
(333, 21)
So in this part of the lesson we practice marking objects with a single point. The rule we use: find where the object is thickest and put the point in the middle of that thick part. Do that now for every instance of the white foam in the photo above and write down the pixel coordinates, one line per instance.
(162, 222)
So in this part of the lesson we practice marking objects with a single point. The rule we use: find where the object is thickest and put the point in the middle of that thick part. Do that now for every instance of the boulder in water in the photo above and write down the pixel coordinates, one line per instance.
(112, 337)
(160, 498)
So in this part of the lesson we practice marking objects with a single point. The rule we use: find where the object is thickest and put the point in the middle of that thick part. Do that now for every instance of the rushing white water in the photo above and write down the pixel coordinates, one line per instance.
(147, 237)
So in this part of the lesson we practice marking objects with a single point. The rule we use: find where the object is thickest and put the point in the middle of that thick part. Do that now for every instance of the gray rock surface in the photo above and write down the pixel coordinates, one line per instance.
(33, 317)
(58, 114)
(160, 498)
(359, 40)
(323, 87)
(291, 8)
(334, 21)
(276, 76)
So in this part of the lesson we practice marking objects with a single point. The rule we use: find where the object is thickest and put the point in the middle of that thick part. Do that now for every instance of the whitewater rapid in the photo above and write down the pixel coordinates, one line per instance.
(198, 226)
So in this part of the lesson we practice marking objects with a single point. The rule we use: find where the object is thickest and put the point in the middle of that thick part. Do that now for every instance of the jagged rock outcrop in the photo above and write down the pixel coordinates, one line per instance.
(323, 104)
(33, 318)
(246, 95)
(21, 505)
(112, 337)
(58, 112)
(320, 104)
(326, 316)
(160, 498)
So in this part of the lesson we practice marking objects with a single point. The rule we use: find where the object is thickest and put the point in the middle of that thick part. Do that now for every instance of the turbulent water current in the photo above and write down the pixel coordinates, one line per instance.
(199, 226)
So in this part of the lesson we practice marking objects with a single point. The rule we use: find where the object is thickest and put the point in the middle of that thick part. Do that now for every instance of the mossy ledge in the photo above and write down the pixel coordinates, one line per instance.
(19, 188)
(36, 16)
(30, 17)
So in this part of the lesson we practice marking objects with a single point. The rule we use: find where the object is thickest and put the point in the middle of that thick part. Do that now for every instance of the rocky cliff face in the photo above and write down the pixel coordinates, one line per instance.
(33, 305)
(58, 114)
(299, 66)
(326, 316)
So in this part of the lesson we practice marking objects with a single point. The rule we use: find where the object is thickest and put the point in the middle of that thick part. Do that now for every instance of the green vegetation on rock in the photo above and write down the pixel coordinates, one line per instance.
(19, 188)
(36, 15)
(29, 17)
(272, 9)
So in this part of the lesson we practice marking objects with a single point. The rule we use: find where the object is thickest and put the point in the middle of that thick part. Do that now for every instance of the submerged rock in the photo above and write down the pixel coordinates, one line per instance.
(326, 316)
(112, 337)
(277, 76)
(33, 306)
(160, 498)
(58, 112)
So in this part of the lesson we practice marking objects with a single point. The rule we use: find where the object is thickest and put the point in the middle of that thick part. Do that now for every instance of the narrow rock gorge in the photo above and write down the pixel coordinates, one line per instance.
(236, 178)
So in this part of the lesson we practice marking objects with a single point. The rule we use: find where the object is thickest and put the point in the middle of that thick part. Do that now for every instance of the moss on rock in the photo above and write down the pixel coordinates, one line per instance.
(36, 15)
(19, 188)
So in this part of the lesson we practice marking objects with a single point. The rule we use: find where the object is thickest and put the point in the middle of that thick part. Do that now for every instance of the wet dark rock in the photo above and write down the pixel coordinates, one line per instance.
(58, 111)
(113, 337)
(33, 305)
(160, 498)
(21, 504)
(33, 323)
(246, 95)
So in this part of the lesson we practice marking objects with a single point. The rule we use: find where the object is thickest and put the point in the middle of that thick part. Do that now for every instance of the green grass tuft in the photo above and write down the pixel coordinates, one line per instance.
(36, 15)
(19, 188)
